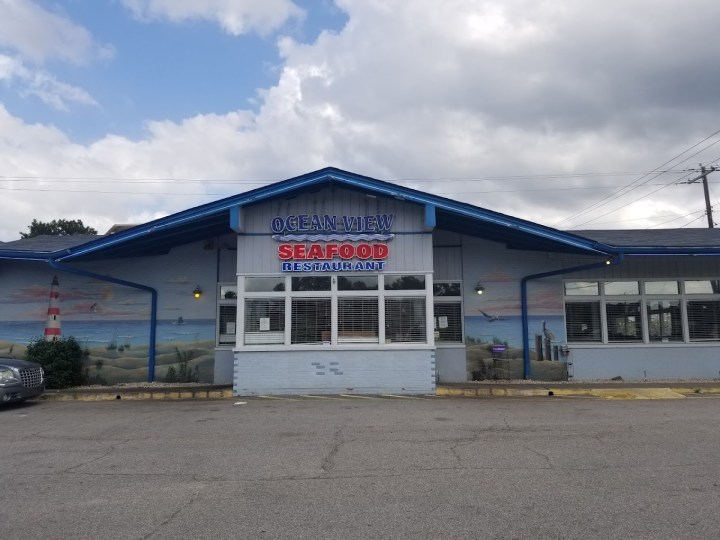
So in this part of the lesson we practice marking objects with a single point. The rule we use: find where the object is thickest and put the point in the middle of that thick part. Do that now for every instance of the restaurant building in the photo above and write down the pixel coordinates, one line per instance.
(332, 282)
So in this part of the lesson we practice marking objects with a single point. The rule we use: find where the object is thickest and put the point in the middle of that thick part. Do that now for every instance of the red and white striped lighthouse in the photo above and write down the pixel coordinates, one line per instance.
(52, 326)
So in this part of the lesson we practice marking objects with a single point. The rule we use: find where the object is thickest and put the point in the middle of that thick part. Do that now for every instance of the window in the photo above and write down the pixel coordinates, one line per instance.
(358, 320)
(582, 288)
(448, 322)
(446, 288)
(704, 320)
(226, 314)
(226, 324)
(661, 287)
(616, 288)
(311, 283)
(404, 283)
(264, 284)
(310, 321)
(664, 320)
(405, 320)
(653, 311)
(447, 310)
(623, 321)
(583, 321)
(264, 321)
(708, 286)
(357, 283)
(343, 309)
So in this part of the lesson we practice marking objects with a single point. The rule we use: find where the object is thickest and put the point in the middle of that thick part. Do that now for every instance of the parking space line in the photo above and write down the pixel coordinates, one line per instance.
(354, 396)
(278, 398)
(316, 397)
(399, 397)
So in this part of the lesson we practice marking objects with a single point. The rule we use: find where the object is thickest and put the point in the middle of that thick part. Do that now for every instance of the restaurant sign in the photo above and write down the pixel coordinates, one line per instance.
(328, 243)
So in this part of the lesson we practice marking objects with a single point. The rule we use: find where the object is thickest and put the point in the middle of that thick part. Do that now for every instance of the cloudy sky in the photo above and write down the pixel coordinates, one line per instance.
(579, 114)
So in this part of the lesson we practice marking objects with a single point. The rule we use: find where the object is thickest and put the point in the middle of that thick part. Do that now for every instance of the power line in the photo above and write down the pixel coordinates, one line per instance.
(561, 176)
(657, 170)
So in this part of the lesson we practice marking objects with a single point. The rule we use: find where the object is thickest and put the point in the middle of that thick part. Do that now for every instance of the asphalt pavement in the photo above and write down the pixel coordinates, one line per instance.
(361, 467)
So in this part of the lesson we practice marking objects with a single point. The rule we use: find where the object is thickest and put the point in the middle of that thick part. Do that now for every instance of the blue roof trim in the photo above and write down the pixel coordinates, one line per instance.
(319, 177)
(215, 216)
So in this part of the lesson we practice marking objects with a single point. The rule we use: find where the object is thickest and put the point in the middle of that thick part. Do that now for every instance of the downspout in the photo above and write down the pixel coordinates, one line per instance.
(153, 306)
(612, 261)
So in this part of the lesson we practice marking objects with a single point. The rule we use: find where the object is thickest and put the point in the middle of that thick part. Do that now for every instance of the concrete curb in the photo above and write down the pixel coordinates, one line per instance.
(633, 392)
(137, 395)
(470, 391)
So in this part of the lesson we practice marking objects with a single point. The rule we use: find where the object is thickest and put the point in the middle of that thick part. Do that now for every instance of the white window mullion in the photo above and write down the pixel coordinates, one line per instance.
(429, 311)
(240, 317)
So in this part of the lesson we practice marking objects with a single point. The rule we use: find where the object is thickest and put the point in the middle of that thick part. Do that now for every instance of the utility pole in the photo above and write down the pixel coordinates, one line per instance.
(703, 175)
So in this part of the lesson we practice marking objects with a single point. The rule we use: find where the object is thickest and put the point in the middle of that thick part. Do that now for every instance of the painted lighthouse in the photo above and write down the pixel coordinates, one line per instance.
(52, 326)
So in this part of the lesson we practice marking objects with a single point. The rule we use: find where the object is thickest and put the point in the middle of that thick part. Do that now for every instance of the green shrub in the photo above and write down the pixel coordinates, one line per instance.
(61, 360)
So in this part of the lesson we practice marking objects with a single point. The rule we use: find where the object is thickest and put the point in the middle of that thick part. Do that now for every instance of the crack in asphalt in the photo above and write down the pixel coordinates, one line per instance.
(176, 513)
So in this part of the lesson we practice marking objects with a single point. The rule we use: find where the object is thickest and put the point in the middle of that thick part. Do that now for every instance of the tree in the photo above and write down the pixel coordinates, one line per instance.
(57, 227)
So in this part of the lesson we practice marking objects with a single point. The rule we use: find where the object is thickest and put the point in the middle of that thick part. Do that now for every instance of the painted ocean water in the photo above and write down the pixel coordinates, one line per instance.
(510, 328)
(95, 333)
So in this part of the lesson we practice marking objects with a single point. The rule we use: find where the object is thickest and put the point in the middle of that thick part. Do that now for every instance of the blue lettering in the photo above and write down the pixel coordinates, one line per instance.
(287, 267)
(303, 222)
(349, 223)
(370, 223)
(277, 225)
(347, 265)
(358, 266)
(330, 223)
(291, 223)
(384, 221)
(315, 223)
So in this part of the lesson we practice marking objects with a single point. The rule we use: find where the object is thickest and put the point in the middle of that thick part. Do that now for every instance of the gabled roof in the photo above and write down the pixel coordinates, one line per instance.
(213, 219)
(658, 241)
(42, 246)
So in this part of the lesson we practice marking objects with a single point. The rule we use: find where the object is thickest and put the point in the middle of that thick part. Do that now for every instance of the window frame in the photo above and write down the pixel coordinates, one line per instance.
(645, 299)
(451, 300)
(335, 295)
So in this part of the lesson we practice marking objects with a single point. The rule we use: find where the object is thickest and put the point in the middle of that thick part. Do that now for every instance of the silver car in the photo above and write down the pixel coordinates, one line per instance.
(20, 380)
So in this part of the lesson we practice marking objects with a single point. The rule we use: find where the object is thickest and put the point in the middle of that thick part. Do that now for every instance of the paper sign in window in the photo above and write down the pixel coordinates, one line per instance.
(442, 322)
(264, 324)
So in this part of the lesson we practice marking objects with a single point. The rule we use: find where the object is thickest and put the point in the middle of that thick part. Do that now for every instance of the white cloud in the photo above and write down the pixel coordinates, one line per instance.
(38, 34)
(234, 16)
(423, 89)
(42, 85)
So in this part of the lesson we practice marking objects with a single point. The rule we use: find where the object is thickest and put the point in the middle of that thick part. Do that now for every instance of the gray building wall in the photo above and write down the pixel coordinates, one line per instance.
(396, 371)
(410, 250)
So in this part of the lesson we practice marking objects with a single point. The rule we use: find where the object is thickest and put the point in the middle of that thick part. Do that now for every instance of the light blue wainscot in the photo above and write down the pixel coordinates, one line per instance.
(337, 371)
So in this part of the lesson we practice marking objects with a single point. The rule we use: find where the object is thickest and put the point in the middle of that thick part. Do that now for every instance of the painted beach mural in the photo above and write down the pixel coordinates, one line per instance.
(493, 332)
(112, 325)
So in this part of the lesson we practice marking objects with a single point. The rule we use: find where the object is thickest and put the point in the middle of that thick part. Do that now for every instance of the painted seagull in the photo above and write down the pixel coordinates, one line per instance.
(490, 318)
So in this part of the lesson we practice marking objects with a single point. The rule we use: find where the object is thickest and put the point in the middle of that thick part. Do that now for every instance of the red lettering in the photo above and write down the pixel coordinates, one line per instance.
(315, 252)
(346, 251)
(299, 251)
(380, 251)
(331, 250)
(285, 251)
(364, 251)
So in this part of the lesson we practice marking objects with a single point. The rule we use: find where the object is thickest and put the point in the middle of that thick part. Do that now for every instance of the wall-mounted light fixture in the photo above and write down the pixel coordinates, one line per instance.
(197, 292)
(479, 288)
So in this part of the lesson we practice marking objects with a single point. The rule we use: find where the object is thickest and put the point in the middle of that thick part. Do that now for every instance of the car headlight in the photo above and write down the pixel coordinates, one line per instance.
(7, 375)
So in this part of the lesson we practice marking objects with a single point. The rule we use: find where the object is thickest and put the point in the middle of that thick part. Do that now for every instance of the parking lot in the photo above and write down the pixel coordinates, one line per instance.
(349, 467)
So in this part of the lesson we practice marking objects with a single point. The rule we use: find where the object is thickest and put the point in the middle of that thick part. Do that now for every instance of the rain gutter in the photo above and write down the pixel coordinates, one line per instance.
(612, 261)
(153, 310)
